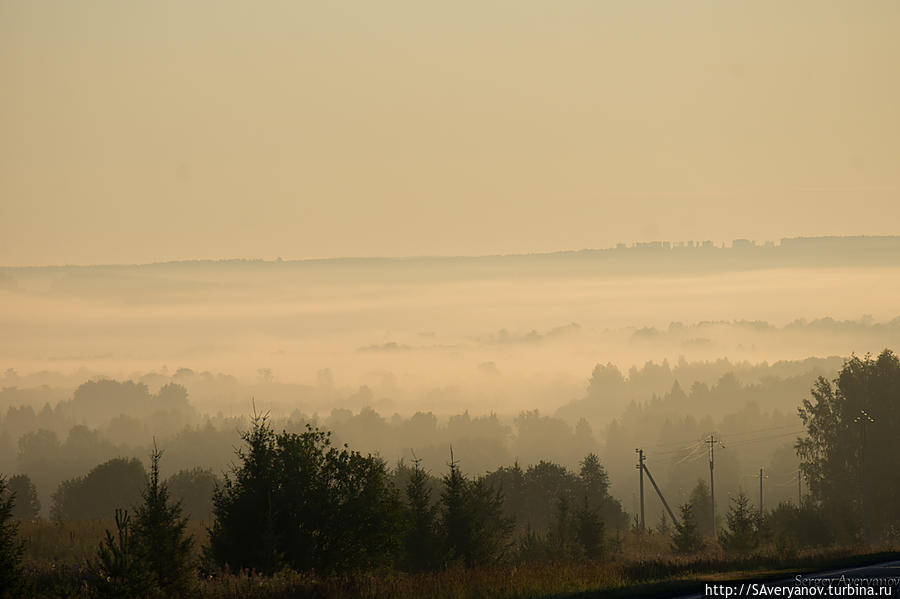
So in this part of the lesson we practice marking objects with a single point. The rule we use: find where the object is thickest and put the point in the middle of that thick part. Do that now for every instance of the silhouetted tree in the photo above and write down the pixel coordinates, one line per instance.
(106, 487)
(243, 530)
(589, 530)
(701, 504)
(10, 547)
(27, 506)
(595, 485)
(422, 542)
(742, 525)
(194, 488)
(663, 527)
(159, 532)
(474, 527)
(687, 539)
(119, 570)
(296, 501)
(851, 456)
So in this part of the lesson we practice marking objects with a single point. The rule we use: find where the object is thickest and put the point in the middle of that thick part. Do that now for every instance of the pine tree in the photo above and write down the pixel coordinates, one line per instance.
(10, 547)
(687, 539)
(159, 531)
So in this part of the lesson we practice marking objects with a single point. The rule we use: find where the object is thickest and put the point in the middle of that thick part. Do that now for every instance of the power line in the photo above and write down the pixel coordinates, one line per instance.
(693, 441)
(766, 438)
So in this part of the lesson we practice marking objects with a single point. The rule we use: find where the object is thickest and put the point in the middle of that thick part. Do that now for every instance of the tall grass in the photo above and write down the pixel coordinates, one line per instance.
(57, 556)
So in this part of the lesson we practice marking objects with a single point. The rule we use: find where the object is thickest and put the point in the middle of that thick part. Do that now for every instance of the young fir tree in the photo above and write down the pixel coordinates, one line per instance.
(159, 531)
(589, 530)
(473, 525)
(148, 556)
(742, 525)
(118, 572)
(243, 533)
(687, 539)
(456, 520)
(422, 543)
(10, 547)
(663, 527)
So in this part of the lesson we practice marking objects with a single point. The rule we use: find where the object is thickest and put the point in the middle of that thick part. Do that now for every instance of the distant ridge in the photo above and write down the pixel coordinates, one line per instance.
(837, 251)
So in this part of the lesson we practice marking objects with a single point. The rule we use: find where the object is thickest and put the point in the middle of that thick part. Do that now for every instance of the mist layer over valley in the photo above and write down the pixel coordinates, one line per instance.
(500, 329)
(509, 359)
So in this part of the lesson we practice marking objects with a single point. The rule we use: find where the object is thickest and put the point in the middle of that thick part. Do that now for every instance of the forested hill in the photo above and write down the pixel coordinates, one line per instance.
(636, 258)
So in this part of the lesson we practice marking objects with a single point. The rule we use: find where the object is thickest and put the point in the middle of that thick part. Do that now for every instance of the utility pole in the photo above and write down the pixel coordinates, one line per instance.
(760, 493)
(640, 467)
(712, 486)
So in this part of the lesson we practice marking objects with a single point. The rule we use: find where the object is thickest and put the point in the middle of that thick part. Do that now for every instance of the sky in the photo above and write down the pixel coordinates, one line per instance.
(168, 130)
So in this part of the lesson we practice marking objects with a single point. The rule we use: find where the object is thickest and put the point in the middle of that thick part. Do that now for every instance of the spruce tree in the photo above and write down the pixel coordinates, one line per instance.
(159, 531)
(422, 543)
(589, 530)
(663, 527)
(118, 571)
(742, 525)
(474, 527)
(456, 520)
(687, 539)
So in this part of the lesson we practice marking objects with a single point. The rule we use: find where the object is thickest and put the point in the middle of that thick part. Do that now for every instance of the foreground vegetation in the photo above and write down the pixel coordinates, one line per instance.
(645, 563)
(298, 516)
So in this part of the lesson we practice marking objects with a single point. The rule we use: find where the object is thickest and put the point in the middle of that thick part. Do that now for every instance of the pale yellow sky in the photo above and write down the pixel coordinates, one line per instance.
(136, 132)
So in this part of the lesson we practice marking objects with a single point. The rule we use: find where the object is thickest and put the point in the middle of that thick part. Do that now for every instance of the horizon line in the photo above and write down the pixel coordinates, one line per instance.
(738, 243)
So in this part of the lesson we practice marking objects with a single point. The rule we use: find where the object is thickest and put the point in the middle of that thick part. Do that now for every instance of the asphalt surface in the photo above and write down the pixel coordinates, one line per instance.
(883, 578)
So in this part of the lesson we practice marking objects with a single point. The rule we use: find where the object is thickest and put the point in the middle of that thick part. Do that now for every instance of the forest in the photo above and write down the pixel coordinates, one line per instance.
(294, 502)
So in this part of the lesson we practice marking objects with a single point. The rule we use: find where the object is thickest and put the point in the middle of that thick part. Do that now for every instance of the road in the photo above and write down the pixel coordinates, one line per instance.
(888, 572)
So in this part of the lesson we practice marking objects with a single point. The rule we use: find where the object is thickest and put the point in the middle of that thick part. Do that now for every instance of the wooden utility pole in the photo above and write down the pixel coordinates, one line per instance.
(760, 493)
(640, 467)
(712, 484)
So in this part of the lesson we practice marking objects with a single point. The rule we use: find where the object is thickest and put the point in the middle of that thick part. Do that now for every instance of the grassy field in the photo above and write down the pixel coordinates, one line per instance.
(57, 555)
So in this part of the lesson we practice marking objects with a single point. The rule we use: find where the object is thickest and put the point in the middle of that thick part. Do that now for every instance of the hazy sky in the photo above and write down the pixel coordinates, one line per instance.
(134, 132)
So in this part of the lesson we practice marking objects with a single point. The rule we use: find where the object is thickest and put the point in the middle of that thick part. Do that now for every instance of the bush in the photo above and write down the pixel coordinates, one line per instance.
(799, 527)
